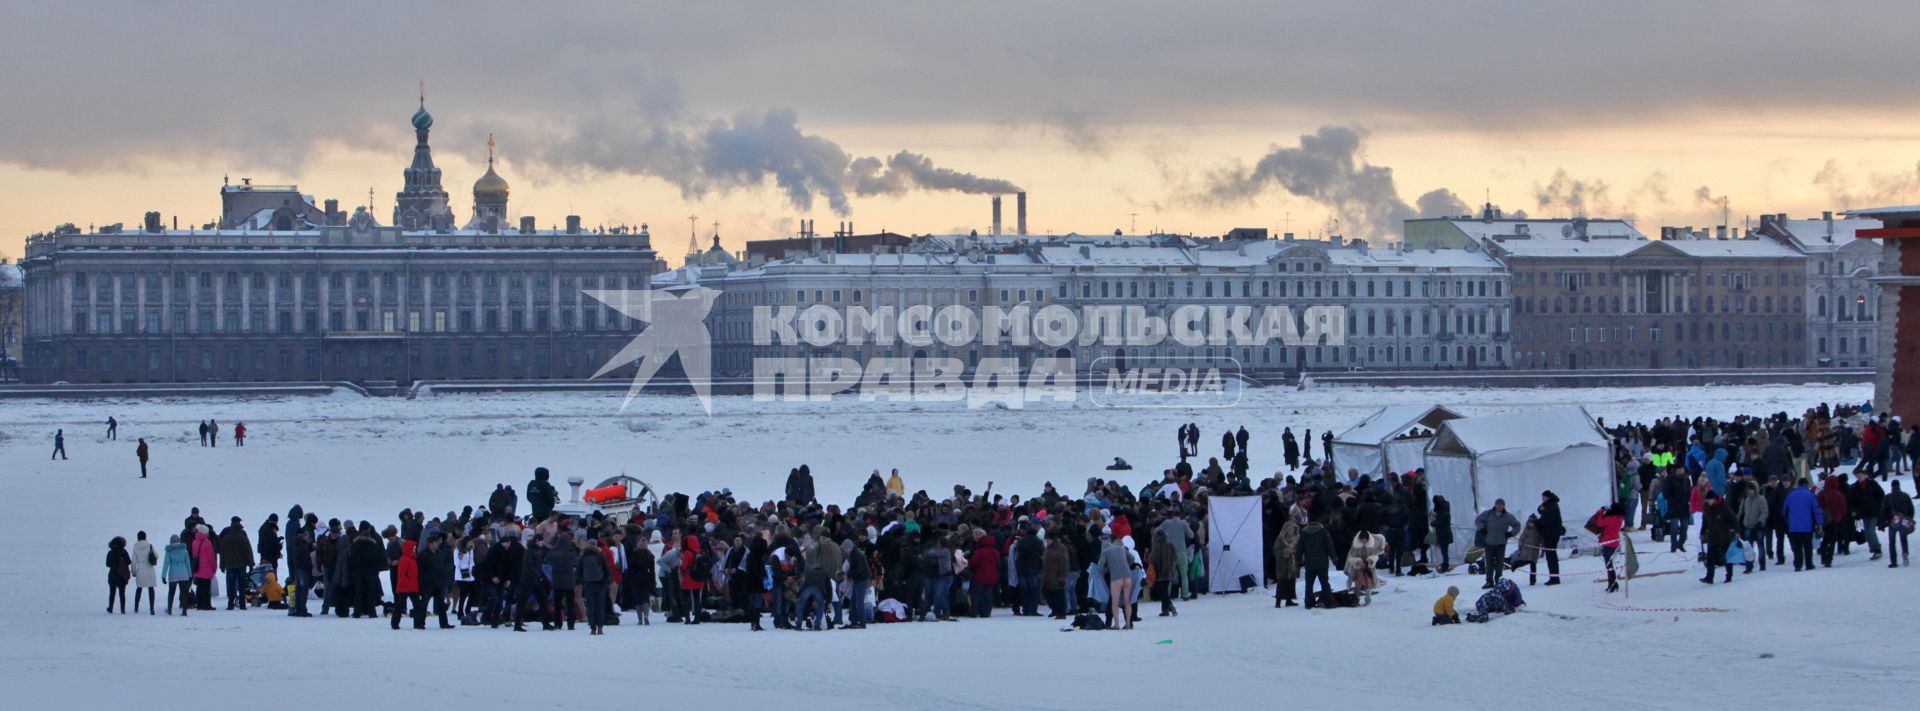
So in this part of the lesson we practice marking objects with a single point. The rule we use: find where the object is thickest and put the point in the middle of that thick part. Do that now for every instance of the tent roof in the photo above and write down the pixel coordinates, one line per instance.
(1519, 436)
(1392, 420)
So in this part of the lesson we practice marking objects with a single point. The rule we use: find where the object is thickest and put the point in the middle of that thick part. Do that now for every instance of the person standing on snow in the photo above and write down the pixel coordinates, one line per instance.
(406, 587)
(1896, 513)
(1492, 528)
(1717, 526)
(300, 551)
(1317, 554)
(1610, 520)
(1552, 529)
(1290, 448)
(1753, 524)
(1286, 562)
(1864, 501)
(269, 545)
(1240, 440)
(177, 572)
(213, 433)
(119, 573)
(204, 564)
(140, 452)
(595, 578)
(113, 428)
(144, 579)
(800, 486)
(541, 495)
(236, 559)
(239, 434)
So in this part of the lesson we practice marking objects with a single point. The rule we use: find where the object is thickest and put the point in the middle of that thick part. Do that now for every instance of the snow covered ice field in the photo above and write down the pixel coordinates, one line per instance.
(1836, 638)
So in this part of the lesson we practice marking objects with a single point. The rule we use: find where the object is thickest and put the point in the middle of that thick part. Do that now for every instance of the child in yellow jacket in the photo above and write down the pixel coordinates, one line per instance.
(1443, 612)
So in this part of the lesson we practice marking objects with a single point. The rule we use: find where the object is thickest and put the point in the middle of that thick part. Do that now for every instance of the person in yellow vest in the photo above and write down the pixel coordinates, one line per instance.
(1443, 612)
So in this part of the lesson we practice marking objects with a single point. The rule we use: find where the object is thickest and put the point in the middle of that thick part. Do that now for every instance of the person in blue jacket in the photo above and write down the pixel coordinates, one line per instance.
(1696, 459)
(1802, 511)
(177, 571)
(1716, 472)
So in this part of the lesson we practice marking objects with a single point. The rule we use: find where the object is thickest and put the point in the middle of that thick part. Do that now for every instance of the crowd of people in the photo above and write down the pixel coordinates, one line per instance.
(1089, 558)
(1746, 487)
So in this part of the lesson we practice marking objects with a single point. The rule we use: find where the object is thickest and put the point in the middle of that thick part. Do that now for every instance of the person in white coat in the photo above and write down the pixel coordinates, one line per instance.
(144, 577)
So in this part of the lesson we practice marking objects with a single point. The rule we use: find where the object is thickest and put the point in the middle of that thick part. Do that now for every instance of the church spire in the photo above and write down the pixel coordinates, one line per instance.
(421, 204)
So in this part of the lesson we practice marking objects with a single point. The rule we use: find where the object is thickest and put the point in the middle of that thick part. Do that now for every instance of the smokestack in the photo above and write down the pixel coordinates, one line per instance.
(526, 225)
(573, 224)
(996, 215)
(1020, 213)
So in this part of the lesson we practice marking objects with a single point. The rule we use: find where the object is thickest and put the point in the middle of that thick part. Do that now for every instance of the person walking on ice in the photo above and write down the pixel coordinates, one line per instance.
(113, 428)
(59, 445)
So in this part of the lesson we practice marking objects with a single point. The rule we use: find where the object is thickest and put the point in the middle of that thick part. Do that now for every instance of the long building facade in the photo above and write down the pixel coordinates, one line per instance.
(1600, 295)
(1843, 301)
(1403, 309)
(282, 289)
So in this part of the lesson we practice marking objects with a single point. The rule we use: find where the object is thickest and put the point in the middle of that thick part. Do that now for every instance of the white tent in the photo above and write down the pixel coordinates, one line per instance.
(1236, 535)
(1515, 456)
(1375, 446)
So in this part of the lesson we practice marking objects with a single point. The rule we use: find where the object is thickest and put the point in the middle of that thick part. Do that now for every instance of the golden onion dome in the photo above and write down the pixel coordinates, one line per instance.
(490, 185)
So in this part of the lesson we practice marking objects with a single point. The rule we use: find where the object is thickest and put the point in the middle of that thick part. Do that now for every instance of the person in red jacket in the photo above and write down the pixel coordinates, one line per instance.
(1610, 520)
(691, 585)
(1839, 531)
(406, 585)
(983, 569)
(239, 434)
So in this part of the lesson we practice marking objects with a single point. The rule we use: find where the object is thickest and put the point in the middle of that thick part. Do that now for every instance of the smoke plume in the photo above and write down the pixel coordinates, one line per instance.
(1880, 188)
(647, 131)
(1719, 204)
(1328, 168)
(906, 169)
(1572, 196)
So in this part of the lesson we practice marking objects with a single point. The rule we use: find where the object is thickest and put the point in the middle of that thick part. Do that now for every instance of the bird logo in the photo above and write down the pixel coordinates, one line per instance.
(677, 327)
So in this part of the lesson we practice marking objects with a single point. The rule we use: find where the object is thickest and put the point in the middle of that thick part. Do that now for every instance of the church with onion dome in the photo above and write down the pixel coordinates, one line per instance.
(287, 288)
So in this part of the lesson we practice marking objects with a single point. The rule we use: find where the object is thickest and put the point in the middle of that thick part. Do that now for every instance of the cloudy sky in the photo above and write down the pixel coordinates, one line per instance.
(903, 115)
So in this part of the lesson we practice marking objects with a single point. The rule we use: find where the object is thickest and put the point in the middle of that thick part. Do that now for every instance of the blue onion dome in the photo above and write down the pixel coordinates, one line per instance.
(422, 120)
